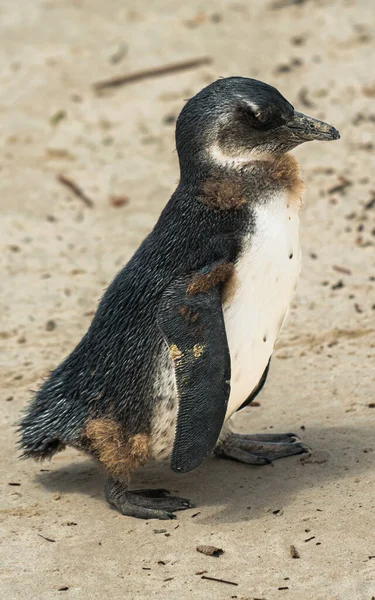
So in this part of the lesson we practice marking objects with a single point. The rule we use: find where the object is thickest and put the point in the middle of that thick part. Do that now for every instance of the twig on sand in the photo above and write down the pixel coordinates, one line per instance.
(152, 72)
(46, 538)
(341, 269)
(286, 3)
(220, 580)
(75, 189)
(344, 182)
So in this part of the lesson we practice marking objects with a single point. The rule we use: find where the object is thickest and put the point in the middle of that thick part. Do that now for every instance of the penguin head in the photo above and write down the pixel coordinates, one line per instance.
(236, 119)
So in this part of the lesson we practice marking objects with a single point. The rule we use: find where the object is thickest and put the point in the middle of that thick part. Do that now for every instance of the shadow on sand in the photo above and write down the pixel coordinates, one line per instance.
(240, 492)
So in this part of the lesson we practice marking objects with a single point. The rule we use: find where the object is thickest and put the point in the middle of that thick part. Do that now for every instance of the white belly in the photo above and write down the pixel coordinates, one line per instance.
(265, 280)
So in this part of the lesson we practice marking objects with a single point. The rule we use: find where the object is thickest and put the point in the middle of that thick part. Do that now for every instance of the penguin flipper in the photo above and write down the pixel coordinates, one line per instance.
(257, 389)
(193, 326)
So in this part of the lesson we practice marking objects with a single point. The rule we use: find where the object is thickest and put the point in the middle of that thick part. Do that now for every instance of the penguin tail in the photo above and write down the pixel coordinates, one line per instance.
(39, 448)
(46, 424)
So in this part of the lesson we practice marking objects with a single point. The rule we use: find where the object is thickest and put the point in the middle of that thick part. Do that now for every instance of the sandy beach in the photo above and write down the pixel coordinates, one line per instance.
(59, 251)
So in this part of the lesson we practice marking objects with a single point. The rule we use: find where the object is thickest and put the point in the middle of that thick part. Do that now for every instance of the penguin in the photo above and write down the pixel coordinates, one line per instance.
(183, 336)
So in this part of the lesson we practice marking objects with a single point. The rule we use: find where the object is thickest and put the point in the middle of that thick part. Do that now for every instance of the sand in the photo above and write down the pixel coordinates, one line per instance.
(58, 255)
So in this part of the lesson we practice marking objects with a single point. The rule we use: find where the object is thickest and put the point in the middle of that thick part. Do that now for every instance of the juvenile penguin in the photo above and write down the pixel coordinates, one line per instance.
(183, 336)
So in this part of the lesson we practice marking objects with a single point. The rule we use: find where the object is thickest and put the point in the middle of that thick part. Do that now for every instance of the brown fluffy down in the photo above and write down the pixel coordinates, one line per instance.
(286, 171)
(231, 193)
(223, 194)
(203, 283)
(120, 454)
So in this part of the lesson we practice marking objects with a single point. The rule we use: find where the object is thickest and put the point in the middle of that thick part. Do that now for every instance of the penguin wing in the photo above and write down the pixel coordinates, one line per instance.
(192, 324)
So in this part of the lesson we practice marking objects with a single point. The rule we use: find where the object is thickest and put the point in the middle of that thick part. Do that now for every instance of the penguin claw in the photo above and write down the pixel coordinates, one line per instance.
(189, 504)
(171, 515)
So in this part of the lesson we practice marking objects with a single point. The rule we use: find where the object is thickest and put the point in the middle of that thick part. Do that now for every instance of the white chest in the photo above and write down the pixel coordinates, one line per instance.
(265, 279)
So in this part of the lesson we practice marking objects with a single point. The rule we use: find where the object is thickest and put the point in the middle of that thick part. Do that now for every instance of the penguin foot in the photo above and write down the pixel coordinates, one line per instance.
(144, 504)
(260, 449)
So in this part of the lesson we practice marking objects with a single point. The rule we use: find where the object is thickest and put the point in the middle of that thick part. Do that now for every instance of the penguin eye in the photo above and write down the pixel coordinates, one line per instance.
(269, 119)
(251, 115)
(263, 117)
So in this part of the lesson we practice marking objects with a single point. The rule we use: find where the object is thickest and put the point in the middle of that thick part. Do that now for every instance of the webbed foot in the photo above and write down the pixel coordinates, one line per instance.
(144, 504)
(260, 449)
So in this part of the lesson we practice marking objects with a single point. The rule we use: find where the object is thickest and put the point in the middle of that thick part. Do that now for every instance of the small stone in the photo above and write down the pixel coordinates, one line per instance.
(216, 18)
(57, 117)
(50, 325)
(293, 551)
(169, 119)
(283, 68)
(210, 550)
(297, 40)
(118, 201)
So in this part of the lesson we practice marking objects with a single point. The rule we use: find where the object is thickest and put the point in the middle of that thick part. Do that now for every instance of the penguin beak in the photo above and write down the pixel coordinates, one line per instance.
(308, 128)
